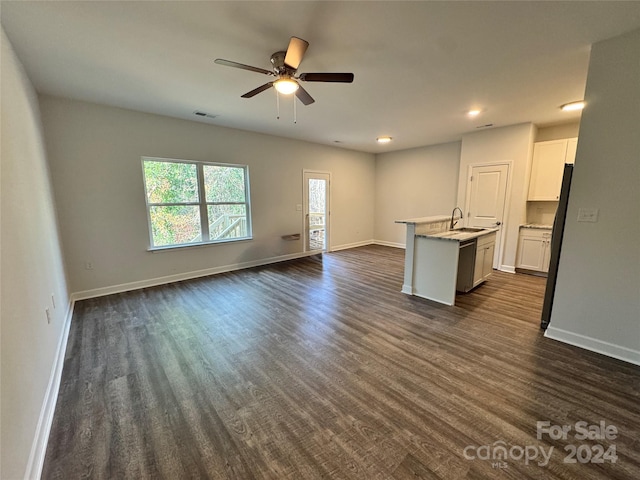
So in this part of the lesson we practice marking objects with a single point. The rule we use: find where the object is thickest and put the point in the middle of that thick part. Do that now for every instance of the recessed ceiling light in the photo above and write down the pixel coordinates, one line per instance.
(569, 107)
(473, 113)
(383, 139)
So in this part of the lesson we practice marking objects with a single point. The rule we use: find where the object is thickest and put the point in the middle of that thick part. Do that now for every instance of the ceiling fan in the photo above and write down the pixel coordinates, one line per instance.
(285, 68)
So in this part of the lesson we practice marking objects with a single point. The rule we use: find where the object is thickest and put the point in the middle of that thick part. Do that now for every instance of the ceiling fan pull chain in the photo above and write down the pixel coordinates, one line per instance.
(295, 111)
(278, 104)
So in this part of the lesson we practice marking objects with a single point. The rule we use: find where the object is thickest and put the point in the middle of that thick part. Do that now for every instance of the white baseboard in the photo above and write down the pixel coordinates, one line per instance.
(507, 268)
(346, 246)
(384, 243)
(408, 289)
(594, 345)
(152, 282)
(43, 428)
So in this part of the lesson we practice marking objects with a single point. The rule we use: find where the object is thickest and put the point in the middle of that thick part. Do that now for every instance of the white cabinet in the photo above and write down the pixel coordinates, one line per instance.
(534, 249)
(548, 166)
(483, 265)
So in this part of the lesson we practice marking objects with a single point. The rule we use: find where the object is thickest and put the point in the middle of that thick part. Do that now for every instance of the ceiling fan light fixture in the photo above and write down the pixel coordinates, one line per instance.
(286, 86)
(384, 139)
(570, 107)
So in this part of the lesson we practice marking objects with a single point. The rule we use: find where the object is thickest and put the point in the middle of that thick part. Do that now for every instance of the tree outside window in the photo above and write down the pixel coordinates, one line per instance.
(196, 202)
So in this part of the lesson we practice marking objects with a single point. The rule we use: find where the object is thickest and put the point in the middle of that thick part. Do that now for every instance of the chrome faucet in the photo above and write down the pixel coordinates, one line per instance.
(453, 221)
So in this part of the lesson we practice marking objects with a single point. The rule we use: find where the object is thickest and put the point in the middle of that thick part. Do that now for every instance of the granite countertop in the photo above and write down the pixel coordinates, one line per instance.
(459, 236)
(434, 219)
(537, 225)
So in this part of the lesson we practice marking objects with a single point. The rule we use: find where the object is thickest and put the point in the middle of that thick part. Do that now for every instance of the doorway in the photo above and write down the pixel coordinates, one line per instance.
(316, 210)
(487, 199)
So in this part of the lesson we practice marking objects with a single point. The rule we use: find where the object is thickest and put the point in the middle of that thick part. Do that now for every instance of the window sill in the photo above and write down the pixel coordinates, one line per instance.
(197, 245)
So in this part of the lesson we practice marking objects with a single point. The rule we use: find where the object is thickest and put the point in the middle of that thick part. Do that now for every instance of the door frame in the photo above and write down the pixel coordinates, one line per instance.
(501, 238)
(305, 206)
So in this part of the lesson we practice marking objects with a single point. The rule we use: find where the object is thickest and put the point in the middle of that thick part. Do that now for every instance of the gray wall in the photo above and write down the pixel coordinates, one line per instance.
(597, 302)
(555, 132)
(94, 155)
(31, 273)
(414, 183)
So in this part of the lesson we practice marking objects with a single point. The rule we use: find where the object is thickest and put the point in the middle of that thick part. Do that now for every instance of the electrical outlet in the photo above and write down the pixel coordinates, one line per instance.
(88, 266)
(299, 207)
(48, 313)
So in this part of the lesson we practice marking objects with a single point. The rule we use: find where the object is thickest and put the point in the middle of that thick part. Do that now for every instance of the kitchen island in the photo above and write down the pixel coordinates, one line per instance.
(440, 261)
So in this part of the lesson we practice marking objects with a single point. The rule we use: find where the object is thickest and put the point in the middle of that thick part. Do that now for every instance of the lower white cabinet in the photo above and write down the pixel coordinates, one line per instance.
(534, 249)
(484, 258)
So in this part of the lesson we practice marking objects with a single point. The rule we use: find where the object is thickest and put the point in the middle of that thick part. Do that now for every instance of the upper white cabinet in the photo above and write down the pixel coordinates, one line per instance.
(547, 167)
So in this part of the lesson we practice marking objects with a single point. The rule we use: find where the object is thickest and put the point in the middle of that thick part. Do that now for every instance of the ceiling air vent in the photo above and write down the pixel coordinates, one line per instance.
(205, 114)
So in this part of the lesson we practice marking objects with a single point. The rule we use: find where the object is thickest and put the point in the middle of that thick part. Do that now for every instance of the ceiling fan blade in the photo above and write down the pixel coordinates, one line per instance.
(304, 96)
(258, 90)
(295, 52)
(327, 77)
(229, 63)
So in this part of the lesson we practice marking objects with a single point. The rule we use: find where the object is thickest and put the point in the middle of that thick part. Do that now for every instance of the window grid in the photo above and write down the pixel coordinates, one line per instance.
(241, 222)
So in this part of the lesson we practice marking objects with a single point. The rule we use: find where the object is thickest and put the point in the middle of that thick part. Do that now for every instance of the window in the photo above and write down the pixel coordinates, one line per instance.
(191, 203)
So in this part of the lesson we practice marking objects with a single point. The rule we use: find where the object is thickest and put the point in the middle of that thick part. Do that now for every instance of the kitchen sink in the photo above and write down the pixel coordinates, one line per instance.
(458, 231)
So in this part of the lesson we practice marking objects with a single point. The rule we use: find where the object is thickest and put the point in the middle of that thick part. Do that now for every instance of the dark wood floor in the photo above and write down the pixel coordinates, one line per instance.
(321, 368)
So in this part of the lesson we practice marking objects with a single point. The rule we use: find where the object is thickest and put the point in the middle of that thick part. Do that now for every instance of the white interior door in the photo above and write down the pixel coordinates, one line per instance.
(316, 210)
(487, 199)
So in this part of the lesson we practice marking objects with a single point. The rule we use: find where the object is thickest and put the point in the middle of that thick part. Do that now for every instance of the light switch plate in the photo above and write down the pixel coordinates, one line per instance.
(299, 207)
(588, 215)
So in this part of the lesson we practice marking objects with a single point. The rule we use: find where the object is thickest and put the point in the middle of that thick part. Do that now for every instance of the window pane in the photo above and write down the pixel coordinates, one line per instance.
(175, 225)
(224, 184)
(169, 182)
(227, 221)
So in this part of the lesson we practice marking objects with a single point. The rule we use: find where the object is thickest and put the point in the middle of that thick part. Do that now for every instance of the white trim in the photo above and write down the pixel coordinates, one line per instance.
(594, 345)
(352, 245)
(305, 208)
(507, 204)
(202, 202)
(384, 243)
(507, 268)
(43, 428)
(408, 289)
(152, 282)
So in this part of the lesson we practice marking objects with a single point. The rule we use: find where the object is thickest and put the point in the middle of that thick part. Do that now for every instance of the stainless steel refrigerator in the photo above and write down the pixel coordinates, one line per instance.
(556, 245)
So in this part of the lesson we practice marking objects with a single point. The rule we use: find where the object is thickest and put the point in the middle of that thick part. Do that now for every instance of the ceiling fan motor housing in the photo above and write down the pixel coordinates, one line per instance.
(277, 60)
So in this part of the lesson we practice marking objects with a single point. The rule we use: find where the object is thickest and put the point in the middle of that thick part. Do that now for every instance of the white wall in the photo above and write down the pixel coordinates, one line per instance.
(414, 183)
(94, 154)
(556, 132)
(513, 144)
(31, 271)
(597, 301)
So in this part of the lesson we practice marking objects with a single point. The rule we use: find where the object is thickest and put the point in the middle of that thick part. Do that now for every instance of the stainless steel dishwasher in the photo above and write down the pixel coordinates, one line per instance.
(466, 262)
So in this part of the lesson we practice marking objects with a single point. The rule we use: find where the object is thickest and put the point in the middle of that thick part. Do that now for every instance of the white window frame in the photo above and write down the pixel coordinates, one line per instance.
(202, 203)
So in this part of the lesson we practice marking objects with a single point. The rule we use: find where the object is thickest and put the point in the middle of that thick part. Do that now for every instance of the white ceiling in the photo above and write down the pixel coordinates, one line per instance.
(419, 66)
